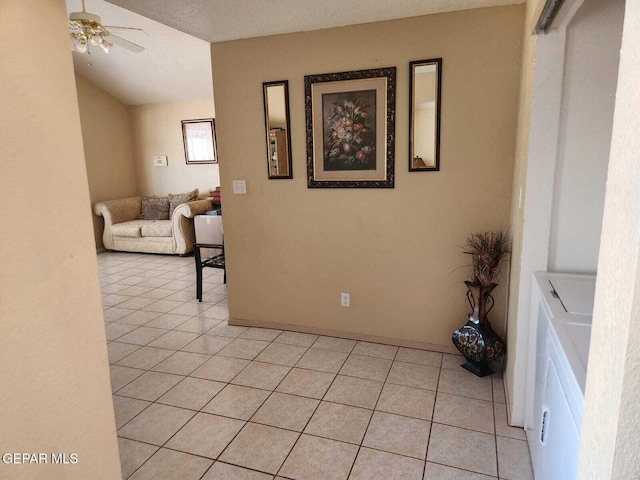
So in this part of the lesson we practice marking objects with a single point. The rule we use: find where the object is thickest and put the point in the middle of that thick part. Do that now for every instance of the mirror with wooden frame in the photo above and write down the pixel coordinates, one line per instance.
(278, 130)
(424, 115)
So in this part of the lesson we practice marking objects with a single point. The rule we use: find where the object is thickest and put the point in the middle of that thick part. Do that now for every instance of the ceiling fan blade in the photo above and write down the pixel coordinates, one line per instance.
(121, 42)
(112, 27)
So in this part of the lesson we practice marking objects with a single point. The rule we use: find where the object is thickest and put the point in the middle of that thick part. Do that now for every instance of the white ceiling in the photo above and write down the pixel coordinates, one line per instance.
(176, 65)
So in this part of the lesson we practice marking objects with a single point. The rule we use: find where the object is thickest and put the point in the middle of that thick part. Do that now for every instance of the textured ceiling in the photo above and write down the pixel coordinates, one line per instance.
(176, 62)
(220, 20)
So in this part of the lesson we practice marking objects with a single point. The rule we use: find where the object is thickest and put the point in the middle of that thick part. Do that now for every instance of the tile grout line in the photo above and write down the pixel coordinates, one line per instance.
(182, 265)
(263, 402)
(335, 375)
(433, 413)
(373, 412)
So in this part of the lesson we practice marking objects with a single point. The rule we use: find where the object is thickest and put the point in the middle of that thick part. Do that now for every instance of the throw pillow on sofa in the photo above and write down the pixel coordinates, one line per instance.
(176, 199)
(153, 208)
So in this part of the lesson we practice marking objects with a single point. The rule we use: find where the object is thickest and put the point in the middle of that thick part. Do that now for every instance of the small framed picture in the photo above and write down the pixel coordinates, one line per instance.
(199, 141)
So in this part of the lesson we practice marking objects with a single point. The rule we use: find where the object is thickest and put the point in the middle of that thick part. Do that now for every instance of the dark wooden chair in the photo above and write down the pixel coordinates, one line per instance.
(217, 261)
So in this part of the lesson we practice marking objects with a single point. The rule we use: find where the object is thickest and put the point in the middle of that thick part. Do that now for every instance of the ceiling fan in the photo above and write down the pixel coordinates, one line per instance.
(86, 30)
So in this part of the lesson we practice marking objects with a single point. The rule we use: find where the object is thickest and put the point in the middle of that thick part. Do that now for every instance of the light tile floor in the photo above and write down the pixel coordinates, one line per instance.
(196, 398)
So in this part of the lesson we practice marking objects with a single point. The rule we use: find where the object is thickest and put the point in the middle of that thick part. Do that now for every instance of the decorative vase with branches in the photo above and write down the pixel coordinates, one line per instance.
(476, 340)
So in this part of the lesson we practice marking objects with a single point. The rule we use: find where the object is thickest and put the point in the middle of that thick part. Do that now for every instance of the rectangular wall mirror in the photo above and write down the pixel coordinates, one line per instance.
(276, 119)
(424, 115)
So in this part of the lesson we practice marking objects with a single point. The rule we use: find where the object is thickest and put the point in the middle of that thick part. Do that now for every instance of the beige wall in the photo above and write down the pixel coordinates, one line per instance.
(292, 250)
(106, 134)
(156, 130)
(55, 395)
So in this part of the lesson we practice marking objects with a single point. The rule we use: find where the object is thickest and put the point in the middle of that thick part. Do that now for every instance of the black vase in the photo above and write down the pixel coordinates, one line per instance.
(476, 340)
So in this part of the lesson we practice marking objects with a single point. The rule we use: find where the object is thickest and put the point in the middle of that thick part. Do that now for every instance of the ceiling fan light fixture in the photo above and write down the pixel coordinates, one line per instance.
(86, 31)
(106, 46)
(95, 40)
(80, 43)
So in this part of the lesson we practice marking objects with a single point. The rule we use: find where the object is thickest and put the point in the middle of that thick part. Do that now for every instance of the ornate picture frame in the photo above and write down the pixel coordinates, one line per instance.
(350, 129)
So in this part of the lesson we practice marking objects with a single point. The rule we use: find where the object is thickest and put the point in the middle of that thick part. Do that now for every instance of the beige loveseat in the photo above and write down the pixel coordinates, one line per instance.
(124, 231)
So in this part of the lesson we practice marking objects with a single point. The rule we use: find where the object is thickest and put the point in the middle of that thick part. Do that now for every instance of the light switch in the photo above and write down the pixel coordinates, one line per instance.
(239, 187)
(160, 161)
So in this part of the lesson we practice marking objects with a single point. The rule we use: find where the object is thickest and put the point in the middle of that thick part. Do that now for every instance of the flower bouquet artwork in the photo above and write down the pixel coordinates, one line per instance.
(349, 130)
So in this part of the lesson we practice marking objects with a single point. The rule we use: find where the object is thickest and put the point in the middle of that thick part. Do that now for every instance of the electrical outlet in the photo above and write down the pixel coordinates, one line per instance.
(345, 300)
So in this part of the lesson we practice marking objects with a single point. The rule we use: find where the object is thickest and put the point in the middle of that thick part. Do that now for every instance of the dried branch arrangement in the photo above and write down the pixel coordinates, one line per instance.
(487, 251)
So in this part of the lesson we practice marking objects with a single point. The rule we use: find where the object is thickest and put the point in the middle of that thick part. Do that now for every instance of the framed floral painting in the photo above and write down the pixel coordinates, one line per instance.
(350, 129)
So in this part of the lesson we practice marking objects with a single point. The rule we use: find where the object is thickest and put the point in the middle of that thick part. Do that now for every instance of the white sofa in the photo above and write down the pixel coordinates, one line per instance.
(124, 231)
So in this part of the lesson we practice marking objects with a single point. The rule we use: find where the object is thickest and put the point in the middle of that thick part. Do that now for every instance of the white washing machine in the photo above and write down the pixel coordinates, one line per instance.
(561, 312)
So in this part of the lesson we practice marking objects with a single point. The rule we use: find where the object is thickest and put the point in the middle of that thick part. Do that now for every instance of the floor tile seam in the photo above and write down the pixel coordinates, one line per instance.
(120, 292)
(420, 364)
(411, 386)
(128, 343)
(464, 428)
(393, 453)
(374, 356)
(128, 421)
(332, 350)
(364, 435)
(186, 408)
(291, 366)
(246, 422)
(495, 429)
(322, 371)
(146, 399)
(188, 374)
(227, 462)
(308, 347)
(116, 391)
(138, 327)
(234, 377)
(405, 416)
(194, 413)
(308, 421)
(465, 396)
(159, 448)
(251, 420)
(514, 438)
(140, 466)
(258, 388)
(155, 365)
(433, 412)
(234, 465)
(493, 477)
(213, 459)
(470, 398)
(145, 371)
(137, 324)
(115, 363)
